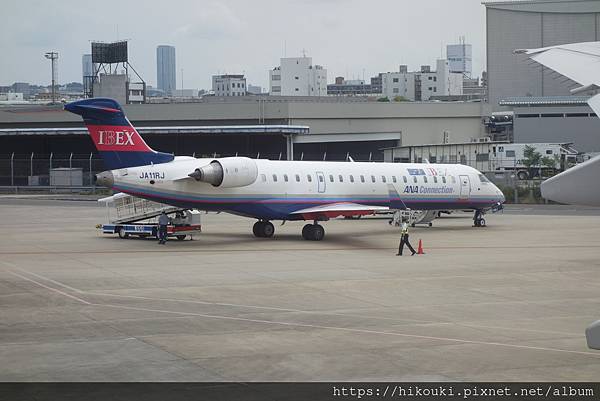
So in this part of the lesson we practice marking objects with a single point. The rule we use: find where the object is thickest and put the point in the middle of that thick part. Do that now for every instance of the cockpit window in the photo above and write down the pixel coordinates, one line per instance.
(483, 179)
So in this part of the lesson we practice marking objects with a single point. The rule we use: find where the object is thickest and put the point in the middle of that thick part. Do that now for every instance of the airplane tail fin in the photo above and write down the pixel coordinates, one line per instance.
(117, 141)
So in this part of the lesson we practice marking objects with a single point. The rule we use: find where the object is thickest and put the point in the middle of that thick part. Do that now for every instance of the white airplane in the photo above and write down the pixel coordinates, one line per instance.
(579, 62)
(275, 190)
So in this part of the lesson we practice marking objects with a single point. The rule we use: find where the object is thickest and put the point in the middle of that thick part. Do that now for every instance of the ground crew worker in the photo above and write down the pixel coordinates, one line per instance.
(163, 221)
(404, 239)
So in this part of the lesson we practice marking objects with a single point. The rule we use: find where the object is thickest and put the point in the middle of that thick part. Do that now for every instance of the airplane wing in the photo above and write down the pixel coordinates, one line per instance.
(332, 210)
(581, 63)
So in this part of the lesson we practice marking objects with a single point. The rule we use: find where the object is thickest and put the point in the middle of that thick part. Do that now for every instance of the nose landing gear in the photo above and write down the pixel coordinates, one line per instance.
(478, 220)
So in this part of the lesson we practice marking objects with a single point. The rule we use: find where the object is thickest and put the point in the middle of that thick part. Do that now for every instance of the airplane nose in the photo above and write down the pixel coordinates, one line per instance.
(105, 179)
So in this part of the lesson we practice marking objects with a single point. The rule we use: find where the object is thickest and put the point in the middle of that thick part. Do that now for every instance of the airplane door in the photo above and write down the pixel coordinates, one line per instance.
(465, 186)
(321, 182)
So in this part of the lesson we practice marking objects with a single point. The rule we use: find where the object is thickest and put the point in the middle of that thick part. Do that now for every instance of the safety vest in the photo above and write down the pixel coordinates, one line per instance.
(404, 228)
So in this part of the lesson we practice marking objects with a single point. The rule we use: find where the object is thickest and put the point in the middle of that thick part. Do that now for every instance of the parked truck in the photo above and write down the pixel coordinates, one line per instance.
(511, 157)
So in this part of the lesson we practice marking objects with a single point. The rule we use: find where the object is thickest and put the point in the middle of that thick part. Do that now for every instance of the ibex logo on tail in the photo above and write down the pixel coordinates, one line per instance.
(119, 138)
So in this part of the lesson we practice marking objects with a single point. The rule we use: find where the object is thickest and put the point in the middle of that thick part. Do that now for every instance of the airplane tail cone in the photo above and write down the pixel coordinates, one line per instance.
(420, 248)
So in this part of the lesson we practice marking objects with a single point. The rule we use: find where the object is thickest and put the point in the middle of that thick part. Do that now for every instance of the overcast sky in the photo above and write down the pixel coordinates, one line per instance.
(348, 37)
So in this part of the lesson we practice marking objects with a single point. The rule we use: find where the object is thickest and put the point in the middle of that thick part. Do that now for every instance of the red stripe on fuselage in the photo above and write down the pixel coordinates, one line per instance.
(115, 138)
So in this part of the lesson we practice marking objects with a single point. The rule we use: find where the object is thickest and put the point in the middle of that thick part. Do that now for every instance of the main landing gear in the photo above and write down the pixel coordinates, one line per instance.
(313, 232)
(263, 229)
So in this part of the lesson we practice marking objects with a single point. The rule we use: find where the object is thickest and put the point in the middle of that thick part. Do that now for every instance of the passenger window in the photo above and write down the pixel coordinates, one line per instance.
(263, 178)
(372, 178)
(362, 178)
(341, 178)
(394, 178)
(309, 178)
(351, 178)
(285, 178)
(415, 179)
(274, 177)
(425, 179)
(383, 179)
(444, 180)
(321, 179)
(331, 177)
(435, 180)
(297, 178)
(404, 179)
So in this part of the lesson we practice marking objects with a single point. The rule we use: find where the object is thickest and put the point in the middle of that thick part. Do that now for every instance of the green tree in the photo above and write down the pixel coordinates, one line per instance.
(383, 99)
(531, 159)
(400, 99)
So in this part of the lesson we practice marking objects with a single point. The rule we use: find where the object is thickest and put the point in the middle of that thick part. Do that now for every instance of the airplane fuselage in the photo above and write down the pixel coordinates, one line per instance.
(280, 188)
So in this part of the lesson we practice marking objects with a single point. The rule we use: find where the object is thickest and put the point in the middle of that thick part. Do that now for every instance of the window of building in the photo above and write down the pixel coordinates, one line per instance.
(482, 157)
(285, 177)
(297, 178)
(435, 89)
(396, 90)
(296, 89)
(434, 79)
(274, 177)
(341, 178)
(263, 178)
(296, 78)
(395, 80)
(510, 153)
(309, 178)
(362, 178)
(549, 151)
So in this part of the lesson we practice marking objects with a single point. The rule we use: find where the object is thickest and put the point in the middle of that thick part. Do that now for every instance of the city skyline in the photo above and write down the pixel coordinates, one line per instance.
(224, 37)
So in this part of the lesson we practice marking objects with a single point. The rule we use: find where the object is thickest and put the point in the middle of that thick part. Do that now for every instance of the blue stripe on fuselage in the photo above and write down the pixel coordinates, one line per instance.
(281, 208)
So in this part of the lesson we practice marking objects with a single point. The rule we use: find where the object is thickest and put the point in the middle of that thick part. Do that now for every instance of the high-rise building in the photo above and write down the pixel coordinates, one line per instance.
(229, 85)
(460, 58)
(87, 68)
(165, 69)
(297, 76)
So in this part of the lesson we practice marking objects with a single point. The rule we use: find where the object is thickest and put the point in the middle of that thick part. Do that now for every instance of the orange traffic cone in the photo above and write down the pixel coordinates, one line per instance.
(420, 248)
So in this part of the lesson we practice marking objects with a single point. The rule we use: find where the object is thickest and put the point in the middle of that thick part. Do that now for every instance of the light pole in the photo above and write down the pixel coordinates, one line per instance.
(53, 56)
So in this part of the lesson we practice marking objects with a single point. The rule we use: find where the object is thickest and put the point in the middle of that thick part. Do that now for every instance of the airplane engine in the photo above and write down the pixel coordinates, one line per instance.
(228, 172)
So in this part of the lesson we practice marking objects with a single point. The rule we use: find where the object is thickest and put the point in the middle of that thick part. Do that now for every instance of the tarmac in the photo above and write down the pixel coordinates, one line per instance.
(509, 302)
